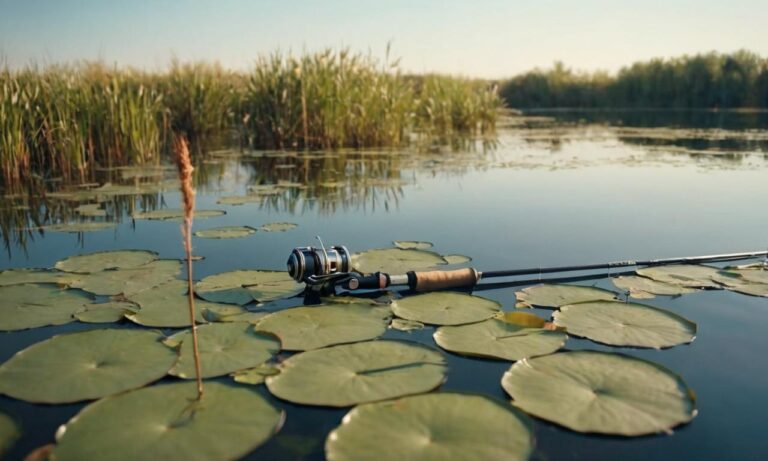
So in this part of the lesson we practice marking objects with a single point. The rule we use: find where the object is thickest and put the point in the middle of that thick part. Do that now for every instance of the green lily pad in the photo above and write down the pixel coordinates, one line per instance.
(229, 232)
(22, 276)
(278, 227)
(439, 426)
(129, 281)
(554, 296)
(412, 245)
(105, 260)
(500, 339)
(167, 214)
(645, 288)
(224, 348)
(625, 324)
(166, 305)
(304, 328)
(751, 275)
(38, 305)
(239, 199)
(256, 375)
(245, 286)
(78, 227)
(109, 312)
(167, 422)
(692, 276)
(230, 313)
(9, 433)
(445, 308)
(457, 259)
(86, 365)
(395, 260)
(405, 325)
(349, 374)
(91, 210)
(589, 391)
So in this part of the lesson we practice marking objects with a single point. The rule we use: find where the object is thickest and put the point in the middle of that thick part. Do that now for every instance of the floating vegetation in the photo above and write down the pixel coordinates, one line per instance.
(457, 259)
(618, 323)
(405, 325)
(349, 374)
(645, 288)
(106, 260)
(554, 296)
(165, 422)
(245, 286)
(20, 276)
(503, 337)
(445, 308)
(256, 375)
(85, 366)
(230, 313)
(305, 328)
(239, 199)
(165, 305)
(751, 281)
(412, 245)
(229, 232)
(440, 426)
(278, 227)
(600, 392)
(167, 214)
(691, 276)
(395, 260)
(38, 305)
(92, 210)
(224, 348)
(108, 312)
(78, 227)
(128, 282)
(9, 433)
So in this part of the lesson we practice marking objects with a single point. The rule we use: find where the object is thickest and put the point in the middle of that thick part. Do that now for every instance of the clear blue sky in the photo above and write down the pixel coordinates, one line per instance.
(485, 38)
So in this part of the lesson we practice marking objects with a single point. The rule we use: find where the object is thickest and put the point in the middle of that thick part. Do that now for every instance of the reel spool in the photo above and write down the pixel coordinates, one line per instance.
(310, 264)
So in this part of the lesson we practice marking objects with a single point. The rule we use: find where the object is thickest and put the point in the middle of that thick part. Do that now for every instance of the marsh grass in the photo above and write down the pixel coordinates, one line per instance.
(66, 121)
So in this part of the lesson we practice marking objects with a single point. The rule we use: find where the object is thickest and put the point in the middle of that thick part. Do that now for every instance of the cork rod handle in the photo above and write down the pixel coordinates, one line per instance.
(440, 280)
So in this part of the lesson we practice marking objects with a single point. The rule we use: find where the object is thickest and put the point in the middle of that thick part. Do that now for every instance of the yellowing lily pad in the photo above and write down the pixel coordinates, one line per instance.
(38, 305)
(168, 214)
(395, 260)
(229, 232)
(224, 348)
(692, 276)
(245, 286)
(129, 281)
(645, 288)
(625, 324)
(445, 308)
(278, 227)
(457, 259)
(167, 422)
(412, 245)
(589, 391)
(85, 366)
(105, 260)
(349, 374)
(405, 325)
(554, 296)
(304, 328)
(438, 426)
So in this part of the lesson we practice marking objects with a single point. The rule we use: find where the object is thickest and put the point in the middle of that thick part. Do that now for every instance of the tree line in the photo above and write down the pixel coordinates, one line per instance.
(707, 81)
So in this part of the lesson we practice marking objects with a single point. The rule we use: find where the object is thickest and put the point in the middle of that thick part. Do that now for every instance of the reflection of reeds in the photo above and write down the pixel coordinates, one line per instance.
(184, 164)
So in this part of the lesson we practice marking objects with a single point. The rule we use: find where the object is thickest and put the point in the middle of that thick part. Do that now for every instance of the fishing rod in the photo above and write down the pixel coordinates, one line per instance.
(325, 269)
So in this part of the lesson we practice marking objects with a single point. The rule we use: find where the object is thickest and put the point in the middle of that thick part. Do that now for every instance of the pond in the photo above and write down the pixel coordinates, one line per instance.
(552, 189)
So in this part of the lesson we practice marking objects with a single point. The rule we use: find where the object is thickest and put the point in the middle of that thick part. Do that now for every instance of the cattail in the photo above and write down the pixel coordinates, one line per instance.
(184, 164)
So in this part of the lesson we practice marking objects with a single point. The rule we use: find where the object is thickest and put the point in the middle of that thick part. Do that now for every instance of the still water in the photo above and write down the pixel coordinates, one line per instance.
(573, 189)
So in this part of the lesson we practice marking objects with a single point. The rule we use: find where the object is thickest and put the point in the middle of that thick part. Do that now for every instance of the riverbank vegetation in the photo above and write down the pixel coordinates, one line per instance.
(67, 120)
(702, 81)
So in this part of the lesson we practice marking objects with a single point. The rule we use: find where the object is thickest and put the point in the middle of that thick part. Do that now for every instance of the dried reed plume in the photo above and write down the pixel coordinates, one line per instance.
(184, 164)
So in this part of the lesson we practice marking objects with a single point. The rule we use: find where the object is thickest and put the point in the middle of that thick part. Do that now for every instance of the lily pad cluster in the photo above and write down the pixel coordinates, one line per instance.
(676, 280)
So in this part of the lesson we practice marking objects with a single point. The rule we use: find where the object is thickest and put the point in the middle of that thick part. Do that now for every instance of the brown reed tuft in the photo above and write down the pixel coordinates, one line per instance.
(184, 164)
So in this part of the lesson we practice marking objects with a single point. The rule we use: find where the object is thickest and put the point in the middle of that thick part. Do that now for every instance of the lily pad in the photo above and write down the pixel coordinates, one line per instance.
(751, 275)
(38, 305)
(109, 312)
(167, 214)
(412, 245)
(645, 288)
(589, 391)
(395, 260)
(457, 259)
(224, 348)
(91, 210)
(78, 227)
(304, 328)
(445, 308)
(245, 286)
(9, 433)
(496, 338)
(86, 365)
(692, 276)
(104, 260)
(439, 426)
(405, 325)
(239, 199)
(167, 422)
(256, 375)
(21, 276)
(349, 374)
(625, 324)
(229, 232)
(278, 227)
(230, 313)
(166, 305)
(129, 281)
(554, 296)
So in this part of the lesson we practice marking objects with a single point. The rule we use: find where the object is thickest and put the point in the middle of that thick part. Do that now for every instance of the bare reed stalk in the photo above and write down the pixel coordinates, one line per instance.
(184, 164)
